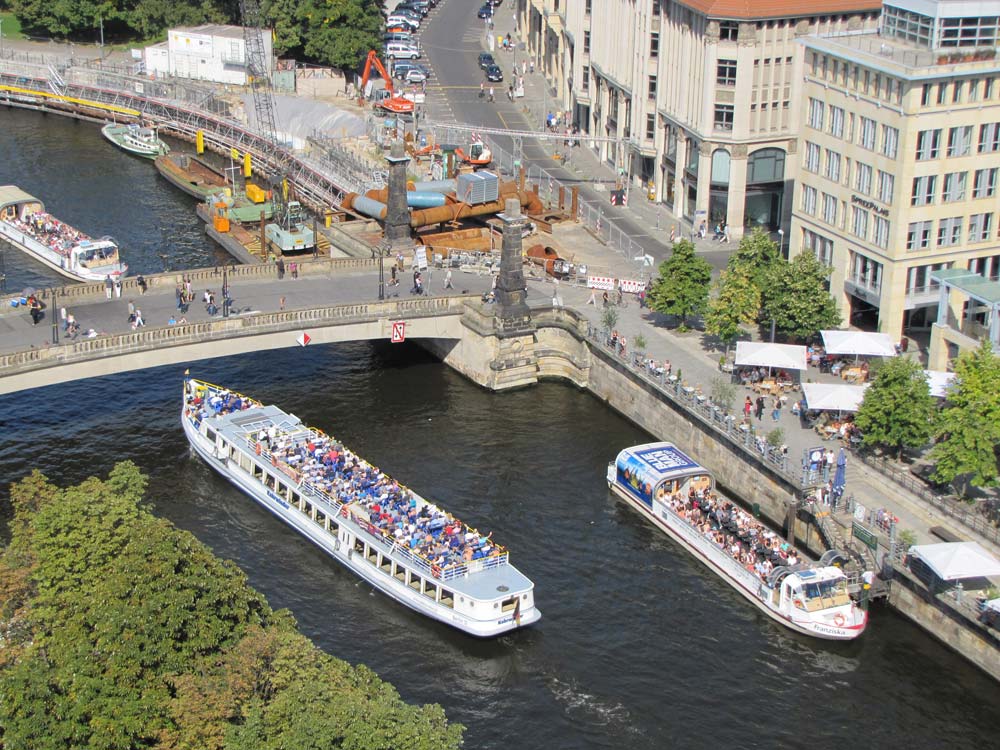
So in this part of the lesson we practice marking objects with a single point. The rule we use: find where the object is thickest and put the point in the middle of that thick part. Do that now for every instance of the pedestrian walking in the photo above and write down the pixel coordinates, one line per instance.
(179, 296)
(294, 269)
(593, 297)
(70, 322)
(62, 317)
(281, 268)
(759, 411)
(131, 308)
(747, 407)
(187, 288)
(447, 280)
(491, 95)
(109, 286)
(393, 281)
(118, 288)
(281, 303)
(531, 66)
(482, 89)
(510, 91)
(776, 409)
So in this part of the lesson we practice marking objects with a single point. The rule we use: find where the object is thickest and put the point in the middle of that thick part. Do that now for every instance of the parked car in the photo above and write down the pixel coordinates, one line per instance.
(493, 73)
(404, 22)
(413, 15)
(413, 75)
(423, 7)
(486, 11)
(401, 68)
(486, 60)
(403, 50)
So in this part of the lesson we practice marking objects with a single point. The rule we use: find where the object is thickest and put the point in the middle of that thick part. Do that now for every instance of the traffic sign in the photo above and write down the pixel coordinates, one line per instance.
(399, 332)
(303, 339)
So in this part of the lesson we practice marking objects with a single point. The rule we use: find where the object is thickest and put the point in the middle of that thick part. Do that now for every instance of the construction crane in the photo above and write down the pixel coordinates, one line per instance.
(395, 104)
(288, 232)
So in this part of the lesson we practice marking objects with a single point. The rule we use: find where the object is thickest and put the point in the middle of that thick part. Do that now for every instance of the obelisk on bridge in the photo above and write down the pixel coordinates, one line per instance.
(397, 214)
(511, 289)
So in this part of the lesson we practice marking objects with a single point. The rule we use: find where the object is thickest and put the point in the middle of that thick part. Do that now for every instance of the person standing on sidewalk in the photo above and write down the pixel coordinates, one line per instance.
(759, 410)
(447, 280)
(281, 268)
(109, 285)
(491, 95)
(747, 408)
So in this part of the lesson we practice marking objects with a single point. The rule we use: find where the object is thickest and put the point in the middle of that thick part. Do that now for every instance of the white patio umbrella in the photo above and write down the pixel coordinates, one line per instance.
(762, 354)
(830, 397)
(858, 343)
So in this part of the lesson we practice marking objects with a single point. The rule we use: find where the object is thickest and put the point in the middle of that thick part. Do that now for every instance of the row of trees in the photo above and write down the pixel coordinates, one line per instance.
(329, 32)
(758, 285)
(120, 631)
(898, 412)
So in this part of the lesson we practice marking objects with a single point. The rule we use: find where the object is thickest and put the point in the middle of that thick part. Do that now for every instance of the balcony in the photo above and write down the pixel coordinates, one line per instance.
(921, 296)
(862, 288)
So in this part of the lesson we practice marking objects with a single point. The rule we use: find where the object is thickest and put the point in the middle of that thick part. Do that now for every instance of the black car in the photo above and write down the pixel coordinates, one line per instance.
(493, 73)
(486, 11)
(486, 60)
(422, 8)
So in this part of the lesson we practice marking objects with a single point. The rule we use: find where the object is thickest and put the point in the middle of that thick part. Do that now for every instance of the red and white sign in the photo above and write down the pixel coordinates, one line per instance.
(303, 339)
(399, 332)
(601, 282)
(631, 286)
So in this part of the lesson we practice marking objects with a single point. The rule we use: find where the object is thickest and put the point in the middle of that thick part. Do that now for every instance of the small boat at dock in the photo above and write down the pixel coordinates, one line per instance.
(400, 543)
(25, 224)
(679, 496)
(194, 176)
(135, 139)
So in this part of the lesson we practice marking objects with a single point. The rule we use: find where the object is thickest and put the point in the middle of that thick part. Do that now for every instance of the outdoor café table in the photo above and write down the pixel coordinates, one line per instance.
(854, 374)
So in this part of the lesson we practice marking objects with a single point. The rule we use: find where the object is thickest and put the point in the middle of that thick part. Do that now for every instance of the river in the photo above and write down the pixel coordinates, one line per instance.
(639, 646)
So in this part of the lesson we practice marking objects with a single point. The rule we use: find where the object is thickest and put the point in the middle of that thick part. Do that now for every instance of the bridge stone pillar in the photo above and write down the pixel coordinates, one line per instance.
(397, 215)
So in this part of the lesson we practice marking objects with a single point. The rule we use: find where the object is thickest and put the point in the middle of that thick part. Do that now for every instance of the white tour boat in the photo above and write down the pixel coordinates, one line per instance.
(25, 225)
(400, 543)
(135, 139)
(678, 495)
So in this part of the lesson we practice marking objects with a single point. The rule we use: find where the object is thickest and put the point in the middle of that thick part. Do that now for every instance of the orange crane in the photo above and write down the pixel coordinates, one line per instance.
(397, 104)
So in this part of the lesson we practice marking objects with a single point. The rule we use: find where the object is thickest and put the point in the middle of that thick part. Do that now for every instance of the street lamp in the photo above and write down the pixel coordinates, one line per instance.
(225, 291)
(53, 315)
(382, 249)
(781, 242)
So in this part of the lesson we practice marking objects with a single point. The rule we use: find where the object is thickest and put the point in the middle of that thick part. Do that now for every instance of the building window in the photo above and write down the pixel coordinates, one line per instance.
(949, 231)
(650, 127)
(728, 31)
(726, 73)
(956, 93)
(866, 272)
(816, 108)
(942, 93)
(929, 144)
(979, 227)
(924, 190)
(651, 87)
(960, 141)
(986, 183)
(836, 121)
(974, 90)
(586, 42)
(809, 200)
(954, 187)
(587, 6)
(868, 133)
(812, 157)
(989, 138)
(988, 89)
(723, 116)
(859, 222)
(886, 186)
(918, 236)
(925, 95)
(585, 84)
(967, 31)
(832, 165)
(822, 247)
(830, 209)
(890, 141)
(863, 178)
(654, 44)
(881, 232)
(988, 266)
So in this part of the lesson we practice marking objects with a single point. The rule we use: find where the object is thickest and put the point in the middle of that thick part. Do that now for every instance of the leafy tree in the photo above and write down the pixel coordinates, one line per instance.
(122, 18)
(283, 15)
(339, 33)
(682, 286)
(735, 304)
(898, 408)
(757, 254)
(609, 319)
(968, 426)
(796, 299)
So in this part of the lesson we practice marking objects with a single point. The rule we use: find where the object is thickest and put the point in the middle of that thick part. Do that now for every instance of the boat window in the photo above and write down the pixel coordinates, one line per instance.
(270, 481)
(210, 434)
(509, 604)
(447, 598)
(430, 590)
(295, 497)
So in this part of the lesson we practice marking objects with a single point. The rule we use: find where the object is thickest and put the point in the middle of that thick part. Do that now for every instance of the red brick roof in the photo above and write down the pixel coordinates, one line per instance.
(744, 9)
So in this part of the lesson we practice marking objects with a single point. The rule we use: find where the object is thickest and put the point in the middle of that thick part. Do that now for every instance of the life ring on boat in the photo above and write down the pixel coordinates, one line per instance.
(838, 620)
(344, 511)
(436, 571)
(274, 460)
(256, 449)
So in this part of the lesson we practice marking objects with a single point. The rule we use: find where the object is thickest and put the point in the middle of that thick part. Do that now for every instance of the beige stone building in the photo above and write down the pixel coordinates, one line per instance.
(703, 94)
(898, 161)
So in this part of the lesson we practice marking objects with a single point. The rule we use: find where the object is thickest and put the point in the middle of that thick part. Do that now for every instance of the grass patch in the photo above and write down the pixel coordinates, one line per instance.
(11, 26)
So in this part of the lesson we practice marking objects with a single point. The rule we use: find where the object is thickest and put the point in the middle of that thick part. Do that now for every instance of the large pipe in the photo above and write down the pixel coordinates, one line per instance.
(436, 186)
(457, 211)
(365, 205)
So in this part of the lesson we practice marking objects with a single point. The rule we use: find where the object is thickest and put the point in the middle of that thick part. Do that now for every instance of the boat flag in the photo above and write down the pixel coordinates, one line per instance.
(303, 339)
(517, 611)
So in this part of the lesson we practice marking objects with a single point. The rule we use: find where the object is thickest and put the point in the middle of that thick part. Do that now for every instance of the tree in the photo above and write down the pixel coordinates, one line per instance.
(898, 408)
(340, 32)
(757, 254)
(968, 426)
(682, 286)
(735, 304)
(283, 15)
(609, 319)
(796, 299)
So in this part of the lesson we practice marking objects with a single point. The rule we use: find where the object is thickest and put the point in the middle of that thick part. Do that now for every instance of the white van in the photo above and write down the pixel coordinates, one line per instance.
(402, 51)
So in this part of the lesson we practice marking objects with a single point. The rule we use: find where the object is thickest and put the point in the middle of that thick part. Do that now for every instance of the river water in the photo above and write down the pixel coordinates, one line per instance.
(639, 646)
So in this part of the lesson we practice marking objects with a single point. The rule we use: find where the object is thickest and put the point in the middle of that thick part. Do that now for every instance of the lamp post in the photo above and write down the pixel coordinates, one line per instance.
(781, 242)
(225, 291)
(55, 318)
(382, 248)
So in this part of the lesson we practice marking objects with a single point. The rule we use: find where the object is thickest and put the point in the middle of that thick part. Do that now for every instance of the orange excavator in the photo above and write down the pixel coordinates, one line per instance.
(479, 153)
(393, 103)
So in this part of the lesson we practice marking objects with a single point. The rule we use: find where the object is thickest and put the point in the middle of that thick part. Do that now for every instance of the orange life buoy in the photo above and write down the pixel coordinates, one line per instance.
(436, 571)
(344, 512)
(838, 620)
(257, 449)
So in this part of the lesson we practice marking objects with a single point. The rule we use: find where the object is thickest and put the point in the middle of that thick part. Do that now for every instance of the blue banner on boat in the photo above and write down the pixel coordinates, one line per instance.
(665, 459)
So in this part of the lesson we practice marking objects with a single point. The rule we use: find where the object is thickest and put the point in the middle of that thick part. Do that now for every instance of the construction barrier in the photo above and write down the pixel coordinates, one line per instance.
(631, 286)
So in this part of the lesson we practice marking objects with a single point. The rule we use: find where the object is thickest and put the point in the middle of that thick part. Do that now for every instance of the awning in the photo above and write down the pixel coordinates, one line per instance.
(760, 354)
(939, 382)
(993, 604)
(953, 560)
(858, 343)
(828, 397)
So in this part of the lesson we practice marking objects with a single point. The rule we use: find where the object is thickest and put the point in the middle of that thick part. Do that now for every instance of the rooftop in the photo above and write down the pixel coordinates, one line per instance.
(976, 286)
(763, 9)
(902, 59)
(212, 29)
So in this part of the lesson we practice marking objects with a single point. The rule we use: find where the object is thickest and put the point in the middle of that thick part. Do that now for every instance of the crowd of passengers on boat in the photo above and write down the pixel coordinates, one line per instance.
(390, 509)
(58, 237)
(750, 543)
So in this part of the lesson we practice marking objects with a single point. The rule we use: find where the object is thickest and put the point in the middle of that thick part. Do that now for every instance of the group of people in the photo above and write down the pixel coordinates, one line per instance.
(753, 545)
(58, 237)
(367, 493)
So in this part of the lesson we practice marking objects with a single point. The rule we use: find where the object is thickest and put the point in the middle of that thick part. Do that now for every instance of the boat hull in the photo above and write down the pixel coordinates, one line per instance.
(185, 180)
(342, 553)
(754, 596)
(56, 262)
(145, 151)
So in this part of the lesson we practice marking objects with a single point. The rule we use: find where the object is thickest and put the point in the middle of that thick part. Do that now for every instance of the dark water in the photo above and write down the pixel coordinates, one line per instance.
(639, 647)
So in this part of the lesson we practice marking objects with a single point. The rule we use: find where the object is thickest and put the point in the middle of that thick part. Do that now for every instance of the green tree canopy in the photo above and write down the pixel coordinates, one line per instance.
(681, 289)
(795, 297)
(735, 304)
(141, 19)
(340, 33)
(122, 632)
(898, 408)
(757, 254)
(968, 425)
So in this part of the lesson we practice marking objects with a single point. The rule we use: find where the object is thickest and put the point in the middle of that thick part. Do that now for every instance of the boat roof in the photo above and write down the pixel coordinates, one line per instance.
(661, 461)
(815, 575)
(13, 195)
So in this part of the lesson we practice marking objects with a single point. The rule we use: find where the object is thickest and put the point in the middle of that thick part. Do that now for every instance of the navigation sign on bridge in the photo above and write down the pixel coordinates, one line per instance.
(303, 339)
(399, 332)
